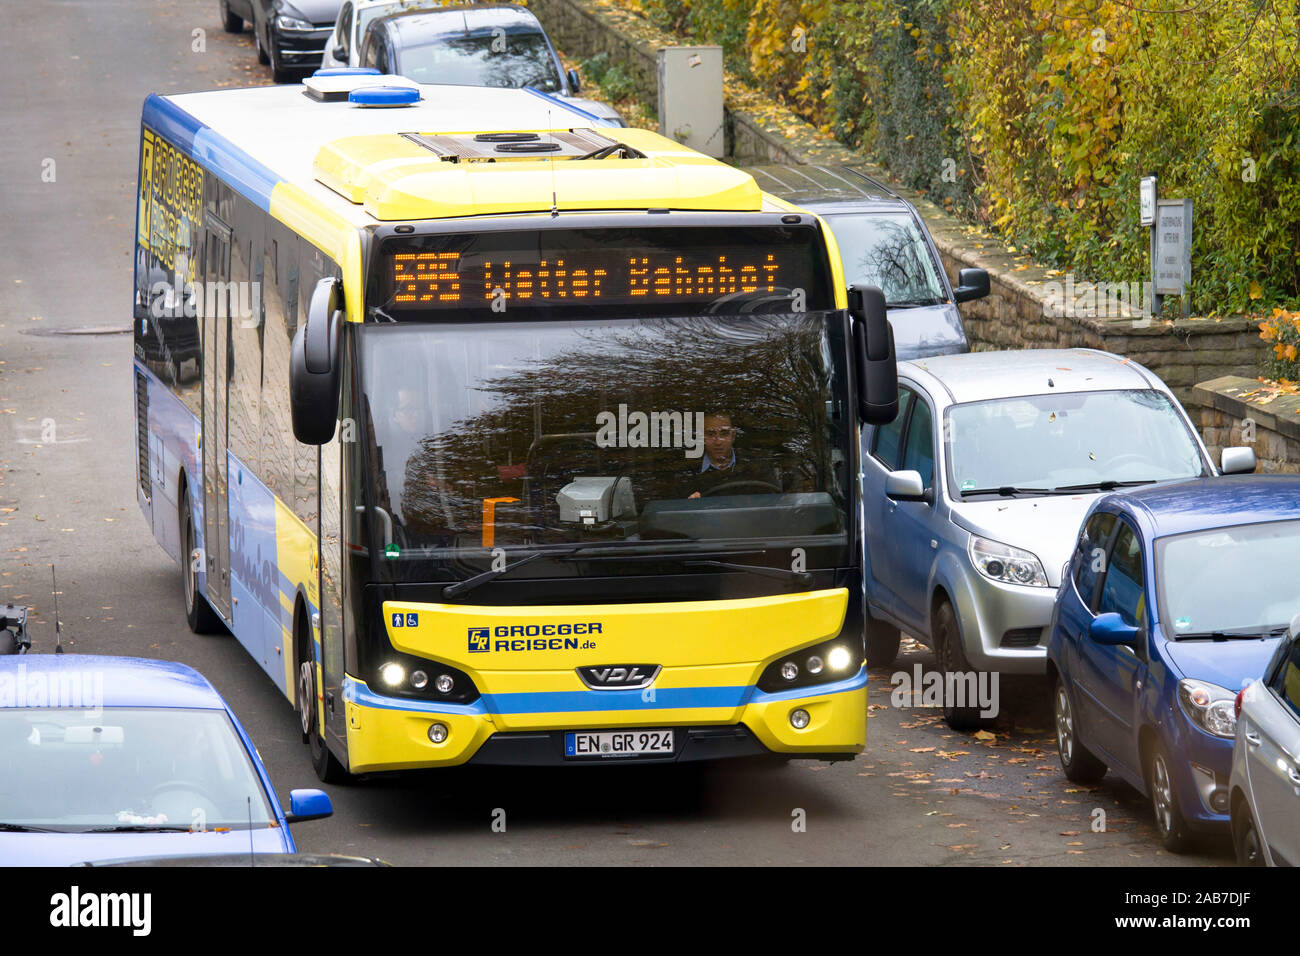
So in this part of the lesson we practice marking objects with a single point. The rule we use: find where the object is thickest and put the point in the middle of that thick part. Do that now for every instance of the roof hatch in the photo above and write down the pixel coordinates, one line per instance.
(420, 175)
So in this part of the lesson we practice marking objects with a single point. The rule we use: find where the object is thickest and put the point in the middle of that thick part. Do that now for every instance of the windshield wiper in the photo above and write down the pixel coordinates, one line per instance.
(1107, 485)
(801, 578)
(1237, 633)
(460, 587)
(1010, 491)
(140, 828)
(913, 303)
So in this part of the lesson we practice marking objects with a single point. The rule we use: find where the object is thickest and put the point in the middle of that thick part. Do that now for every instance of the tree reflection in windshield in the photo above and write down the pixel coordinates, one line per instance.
(496, 420)
(510, 60)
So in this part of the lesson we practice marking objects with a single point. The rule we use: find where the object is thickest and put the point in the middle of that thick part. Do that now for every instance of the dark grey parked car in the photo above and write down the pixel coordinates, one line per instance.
(289, 36)
(883, 242)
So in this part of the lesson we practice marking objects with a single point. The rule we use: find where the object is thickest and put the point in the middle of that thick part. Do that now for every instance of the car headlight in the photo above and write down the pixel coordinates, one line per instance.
(1209, 706)
(1005, 564)
(292, 23)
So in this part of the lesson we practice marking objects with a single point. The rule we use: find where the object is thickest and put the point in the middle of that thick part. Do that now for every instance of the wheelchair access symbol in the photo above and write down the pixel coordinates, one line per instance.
(478, 639)
(405, 620)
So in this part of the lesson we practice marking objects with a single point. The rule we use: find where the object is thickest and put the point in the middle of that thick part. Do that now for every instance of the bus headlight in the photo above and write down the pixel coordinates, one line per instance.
(404, 675)
(819, 664)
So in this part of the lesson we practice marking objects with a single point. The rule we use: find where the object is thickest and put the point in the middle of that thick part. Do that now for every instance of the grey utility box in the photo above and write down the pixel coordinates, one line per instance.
(690, 98)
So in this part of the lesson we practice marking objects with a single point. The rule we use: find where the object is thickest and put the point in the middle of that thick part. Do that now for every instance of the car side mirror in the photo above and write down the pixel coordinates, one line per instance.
(873, 355)
(308, 805)
(315, 362)
(1110, 629)
(574, 83)
(971, 284)
(1237, 461)
(340, 54)
(906, 486)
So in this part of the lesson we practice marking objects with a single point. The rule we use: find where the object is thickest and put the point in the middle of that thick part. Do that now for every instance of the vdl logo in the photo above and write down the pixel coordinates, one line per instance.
(405, 620)
(479, 639)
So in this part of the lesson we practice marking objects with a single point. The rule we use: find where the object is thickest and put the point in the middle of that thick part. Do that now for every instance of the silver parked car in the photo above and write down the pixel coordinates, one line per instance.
(972, 497)
(1264, 790)
(884, 242)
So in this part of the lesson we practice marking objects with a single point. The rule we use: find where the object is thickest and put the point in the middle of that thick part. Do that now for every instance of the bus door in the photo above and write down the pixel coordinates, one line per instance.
(216, 380)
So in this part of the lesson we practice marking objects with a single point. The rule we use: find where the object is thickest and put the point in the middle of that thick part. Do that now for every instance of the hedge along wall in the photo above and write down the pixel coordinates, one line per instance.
(1038, 117)
(1022, 310)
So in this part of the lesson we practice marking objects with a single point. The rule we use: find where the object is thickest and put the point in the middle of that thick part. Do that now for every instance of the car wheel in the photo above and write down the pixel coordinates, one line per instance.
(261, 50)
(278, 73)
(1077, 761)
(198, 612)
(229, 22)
(1245, 838)
(882, 643)
(327, 766)
(951, 657)
(1170, 825)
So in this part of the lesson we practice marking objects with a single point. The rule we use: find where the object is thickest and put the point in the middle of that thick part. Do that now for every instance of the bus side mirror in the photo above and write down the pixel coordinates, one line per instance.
(314, 366)
(873, 353)
(575, 85)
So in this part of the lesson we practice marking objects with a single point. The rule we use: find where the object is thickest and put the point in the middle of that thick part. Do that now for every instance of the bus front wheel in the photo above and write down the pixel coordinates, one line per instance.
(327, 766)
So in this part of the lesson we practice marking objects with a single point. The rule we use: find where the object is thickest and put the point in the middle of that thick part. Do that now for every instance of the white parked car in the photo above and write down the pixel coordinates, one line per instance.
(1265, 785)
(354, 17)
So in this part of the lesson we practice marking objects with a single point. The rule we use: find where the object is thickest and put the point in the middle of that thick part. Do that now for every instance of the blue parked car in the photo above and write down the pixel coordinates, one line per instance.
(1174, 599)
(113, 757)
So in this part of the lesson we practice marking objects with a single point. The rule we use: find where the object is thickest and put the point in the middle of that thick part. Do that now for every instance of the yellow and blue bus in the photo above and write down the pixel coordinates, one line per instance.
(499, 436)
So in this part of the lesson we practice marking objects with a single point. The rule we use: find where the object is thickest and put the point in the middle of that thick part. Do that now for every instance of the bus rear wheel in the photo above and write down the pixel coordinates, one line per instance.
(327, 766)
(198, 612)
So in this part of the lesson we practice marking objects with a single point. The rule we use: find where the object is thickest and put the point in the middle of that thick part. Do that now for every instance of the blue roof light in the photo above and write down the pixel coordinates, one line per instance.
(348, 71)
(384, 96)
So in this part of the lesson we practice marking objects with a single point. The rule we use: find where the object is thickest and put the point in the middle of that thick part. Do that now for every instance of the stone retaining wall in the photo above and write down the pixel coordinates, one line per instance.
(1233, 413)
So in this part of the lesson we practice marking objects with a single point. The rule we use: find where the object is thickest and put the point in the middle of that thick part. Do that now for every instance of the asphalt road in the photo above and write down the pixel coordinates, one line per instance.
(75, 73)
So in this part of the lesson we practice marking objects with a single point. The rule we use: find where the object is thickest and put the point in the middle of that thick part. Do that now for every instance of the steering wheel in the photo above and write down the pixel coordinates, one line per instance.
(1126, 458)
(762, 486)
(167, 785)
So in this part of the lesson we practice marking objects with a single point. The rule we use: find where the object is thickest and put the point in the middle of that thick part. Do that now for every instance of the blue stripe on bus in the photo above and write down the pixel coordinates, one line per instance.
(354, 691)
(554, 702)
(172, 122)
(240, 171)
(856, 682)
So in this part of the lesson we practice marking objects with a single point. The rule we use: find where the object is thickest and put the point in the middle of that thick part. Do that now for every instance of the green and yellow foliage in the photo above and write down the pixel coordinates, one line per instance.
(1037, 118)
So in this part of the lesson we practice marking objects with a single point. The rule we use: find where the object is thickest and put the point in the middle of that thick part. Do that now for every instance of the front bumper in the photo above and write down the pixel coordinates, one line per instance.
(300, 47)
(995, 615)
(1201, 766)
(387, 733)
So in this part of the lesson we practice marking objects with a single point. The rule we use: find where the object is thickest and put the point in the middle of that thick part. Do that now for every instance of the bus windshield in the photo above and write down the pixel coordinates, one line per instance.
(688, 432)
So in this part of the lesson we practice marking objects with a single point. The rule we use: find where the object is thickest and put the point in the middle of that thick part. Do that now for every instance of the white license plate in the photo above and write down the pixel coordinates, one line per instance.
(617, 743)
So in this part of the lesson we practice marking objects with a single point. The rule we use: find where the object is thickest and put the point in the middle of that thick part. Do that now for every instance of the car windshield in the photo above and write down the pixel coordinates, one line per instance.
(1241, 579)
(366, 14)
(510, 60)
(126, 768)
(1071, 441)
(670, 432)
(889, 252)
